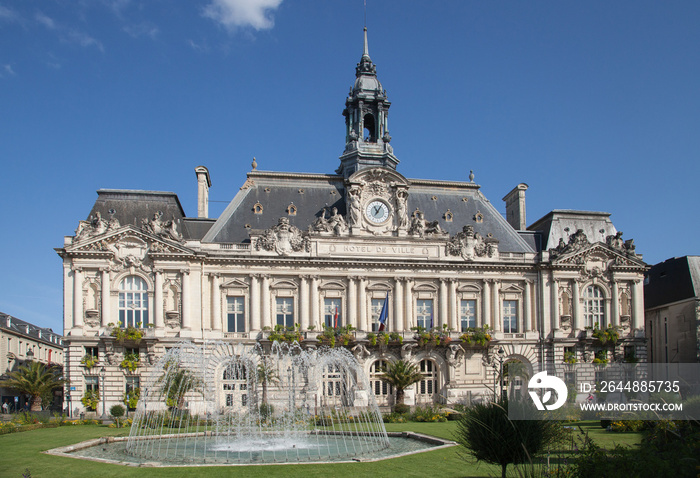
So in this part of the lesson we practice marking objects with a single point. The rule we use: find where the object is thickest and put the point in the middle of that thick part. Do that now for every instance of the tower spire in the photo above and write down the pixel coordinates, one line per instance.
(366, 121)
(365, 52)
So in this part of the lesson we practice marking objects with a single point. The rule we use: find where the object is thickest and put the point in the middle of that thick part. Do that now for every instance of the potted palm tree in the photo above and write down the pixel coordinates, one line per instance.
(401, 375)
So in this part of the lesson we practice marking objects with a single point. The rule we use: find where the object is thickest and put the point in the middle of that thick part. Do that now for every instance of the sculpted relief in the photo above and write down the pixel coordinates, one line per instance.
(282, 239)
(470, 245)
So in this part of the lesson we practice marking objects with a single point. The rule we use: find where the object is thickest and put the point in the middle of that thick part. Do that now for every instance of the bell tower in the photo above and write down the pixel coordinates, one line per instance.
(366, 121)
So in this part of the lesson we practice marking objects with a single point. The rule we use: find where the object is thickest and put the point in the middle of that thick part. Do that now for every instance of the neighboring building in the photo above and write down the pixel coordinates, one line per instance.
(672, 303)
(21, 342)
(315, 249)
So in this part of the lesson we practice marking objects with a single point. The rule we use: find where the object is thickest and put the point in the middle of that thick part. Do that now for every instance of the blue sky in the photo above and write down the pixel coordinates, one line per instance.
(595, 105)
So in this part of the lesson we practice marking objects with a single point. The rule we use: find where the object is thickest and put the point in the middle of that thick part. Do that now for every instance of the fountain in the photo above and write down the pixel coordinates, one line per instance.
(247, 404)
(225, 403)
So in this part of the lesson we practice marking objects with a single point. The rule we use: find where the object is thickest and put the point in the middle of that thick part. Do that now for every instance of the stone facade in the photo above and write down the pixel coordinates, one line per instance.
(330, 249)
(21, 342)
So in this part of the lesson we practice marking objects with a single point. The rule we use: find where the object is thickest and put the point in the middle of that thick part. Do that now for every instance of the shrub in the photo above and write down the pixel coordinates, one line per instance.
(488, 433)
(401, 408)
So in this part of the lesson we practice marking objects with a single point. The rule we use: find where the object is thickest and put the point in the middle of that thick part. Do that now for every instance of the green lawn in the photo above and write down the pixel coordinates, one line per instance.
(20, 451)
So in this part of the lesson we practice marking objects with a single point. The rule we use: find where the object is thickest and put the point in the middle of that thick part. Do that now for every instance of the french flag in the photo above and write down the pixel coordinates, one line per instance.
(384, 313)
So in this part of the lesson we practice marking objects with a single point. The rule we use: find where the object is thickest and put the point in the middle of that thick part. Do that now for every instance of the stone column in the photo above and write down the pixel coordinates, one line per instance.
(496, 307)
(444, 304)
(487, 318)
(106, 302)
(78, 297)
(67, 301)
(159, 322)
(637, 305)
(576, 306)
(408, 305)
(397, 323)
(554, 304)
(255, 323)
(615, 303)
(315, 306)
(216, 319)
(528, 323)
(352, 303)
(186, 300)
(266, 305)
(453, 322)
(364, 325)
(304, 303)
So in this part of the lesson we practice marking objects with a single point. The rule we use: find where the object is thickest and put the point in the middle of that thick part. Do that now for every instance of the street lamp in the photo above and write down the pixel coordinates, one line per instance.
(30, 355)
(103, 374)
(501, 355)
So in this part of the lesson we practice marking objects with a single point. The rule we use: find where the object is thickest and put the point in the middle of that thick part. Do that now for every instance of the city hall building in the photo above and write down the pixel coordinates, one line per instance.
(307, 250)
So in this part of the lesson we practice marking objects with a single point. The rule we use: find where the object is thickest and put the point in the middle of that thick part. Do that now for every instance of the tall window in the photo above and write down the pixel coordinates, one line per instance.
(467, 313)
(428, 385)
(133, 385)
(235, 384)
(133, 302)
(424, 313)
(510, 316)
(376, 310)
(92, 350)
(380, 388)
(593, 307)
(334, 384)
(92, 383)
(235, 312)
(332, 312)
(285, 311)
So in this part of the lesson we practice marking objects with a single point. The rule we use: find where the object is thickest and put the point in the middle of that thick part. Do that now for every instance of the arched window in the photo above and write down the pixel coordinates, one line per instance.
(593, 307)
(370, 129)
(133, 302)
(428, 385)
(335, 385)
(381, 389)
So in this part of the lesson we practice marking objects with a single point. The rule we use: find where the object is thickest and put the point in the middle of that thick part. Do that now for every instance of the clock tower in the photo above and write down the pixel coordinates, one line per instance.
(366, 121)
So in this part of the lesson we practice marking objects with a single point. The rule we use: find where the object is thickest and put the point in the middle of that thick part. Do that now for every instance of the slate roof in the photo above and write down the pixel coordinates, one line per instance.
(276, 191)
(131, 206)
(561, 223)
(673, 280)
(20, 327)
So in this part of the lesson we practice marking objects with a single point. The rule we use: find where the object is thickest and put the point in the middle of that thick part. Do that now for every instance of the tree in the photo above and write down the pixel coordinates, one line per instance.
(490, 436)
(36, 380)
(266, 374)
(176, 382)
(401, 375)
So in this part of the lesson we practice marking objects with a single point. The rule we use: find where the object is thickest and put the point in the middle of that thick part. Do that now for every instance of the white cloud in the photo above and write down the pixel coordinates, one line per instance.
(45, 20)
(82, 39)
(142, 29)
(242, 13)
(8, 14)
(6, 70)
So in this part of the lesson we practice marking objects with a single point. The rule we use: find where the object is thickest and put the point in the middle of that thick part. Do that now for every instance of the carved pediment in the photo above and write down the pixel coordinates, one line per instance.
(235, 284)
(597, 258)
(128, 246)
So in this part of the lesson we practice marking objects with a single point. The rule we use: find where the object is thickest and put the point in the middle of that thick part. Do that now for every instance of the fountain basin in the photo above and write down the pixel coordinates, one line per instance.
(319, 447)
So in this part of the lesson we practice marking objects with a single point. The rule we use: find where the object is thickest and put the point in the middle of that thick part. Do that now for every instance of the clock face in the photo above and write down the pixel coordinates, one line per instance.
(377, 211)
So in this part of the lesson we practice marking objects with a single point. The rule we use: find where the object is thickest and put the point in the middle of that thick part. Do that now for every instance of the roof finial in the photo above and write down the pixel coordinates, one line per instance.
(365, 52)
(254, 164)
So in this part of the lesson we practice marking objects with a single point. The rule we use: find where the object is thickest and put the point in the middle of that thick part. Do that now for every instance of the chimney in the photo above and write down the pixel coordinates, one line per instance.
(515, 207)
(203, 185)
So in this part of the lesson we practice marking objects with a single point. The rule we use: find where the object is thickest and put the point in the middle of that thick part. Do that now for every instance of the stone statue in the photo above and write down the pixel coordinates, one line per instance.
(354, 203)
(160, 228)
(402, 208)
(337, 222)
